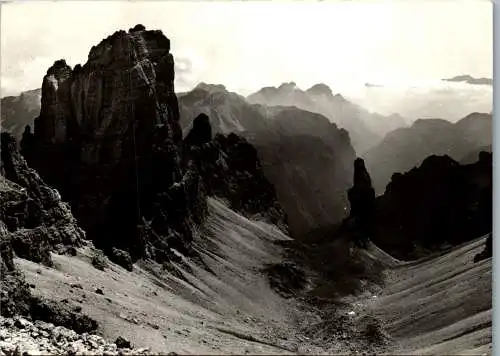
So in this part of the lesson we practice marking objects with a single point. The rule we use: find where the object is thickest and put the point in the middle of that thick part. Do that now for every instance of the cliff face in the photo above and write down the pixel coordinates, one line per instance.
(309, 161)
(306, 157)
(230, 169)
(438, 203)
(33, 222)
(108, 138)
(127, 76)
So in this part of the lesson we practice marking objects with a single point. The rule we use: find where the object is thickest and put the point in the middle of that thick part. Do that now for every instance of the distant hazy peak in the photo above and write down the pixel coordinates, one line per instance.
(37, 91)
(340, 98)
(289, 85)
(320, 89)
(478, 115)
(430, 122)
(23, 95)
(471, 80)
(210, 87)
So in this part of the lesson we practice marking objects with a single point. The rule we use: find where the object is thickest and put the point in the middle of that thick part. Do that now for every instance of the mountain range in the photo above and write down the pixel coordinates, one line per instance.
(293, 146)
(365, 129)
(309, 141)
(19, 111)
(405, 148)
(186, 222)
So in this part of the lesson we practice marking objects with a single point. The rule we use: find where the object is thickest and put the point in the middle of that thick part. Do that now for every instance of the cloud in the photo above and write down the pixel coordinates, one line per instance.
(470, 80)
(248, 45)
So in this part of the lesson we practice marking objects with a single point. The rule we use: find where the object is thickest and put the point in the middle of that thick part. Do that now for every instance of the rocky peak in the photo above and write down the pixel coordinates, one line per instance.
(362, 201)
(290, 86)
(320, 89)
(59, 69)
(339, 98)
(113, 125)
(121, 49)
(435, 163)
(425, 123)
(230, 168)
(137, 28)
(361, 176)
(115, 149)
(211, 88)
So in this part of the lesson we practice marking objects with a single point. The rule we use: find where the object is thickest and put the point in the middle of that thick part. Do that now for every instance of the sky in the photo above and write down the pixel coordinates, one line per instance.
(246, 45)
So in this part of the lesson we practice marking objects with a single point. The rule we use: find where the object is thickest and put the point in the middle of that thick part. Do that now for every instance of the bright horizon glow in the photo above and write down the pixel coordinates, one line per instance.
(248, 45)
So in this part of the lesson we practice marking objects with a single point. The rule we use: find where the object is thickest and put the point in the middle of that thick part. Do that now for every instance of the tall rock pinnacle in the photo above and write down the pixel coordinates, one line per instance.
(108, 137)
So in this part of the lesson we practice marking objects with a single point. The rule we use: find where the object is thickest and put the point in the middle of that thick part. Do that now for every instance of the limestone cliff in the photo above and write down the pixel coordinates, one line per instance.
(108, 138)
(34, 222)
(440, 203)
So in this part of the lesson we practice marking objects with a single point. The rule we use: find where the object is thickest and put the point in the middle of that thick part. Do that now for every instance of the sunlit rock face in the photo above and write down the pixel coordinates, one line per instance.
(405, 148)
(18, 111)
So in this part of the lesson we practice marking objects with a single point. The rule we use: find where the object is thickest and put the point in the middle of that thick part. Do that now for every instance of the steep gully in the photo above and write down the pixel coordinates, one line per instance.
(219, 273)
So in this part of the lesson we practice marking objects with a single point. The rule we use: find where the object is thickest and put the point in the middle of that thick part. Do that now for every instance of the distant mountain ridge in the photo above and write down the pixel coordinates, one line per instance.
(405, 148)
(365, 128)
(19, 111)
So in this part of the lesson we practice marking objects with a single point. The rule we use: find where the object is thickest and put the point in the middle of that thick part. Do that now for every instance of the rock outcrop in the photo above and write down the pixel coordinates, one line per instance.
(440, 203)
(293, 145)
(36, 220)
(108, 138)
(200, 133)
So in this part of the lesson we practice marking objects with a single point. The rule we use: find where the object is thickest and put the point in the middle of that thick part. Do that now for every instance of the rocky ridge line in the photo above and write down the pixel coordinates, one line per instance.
(113, 125)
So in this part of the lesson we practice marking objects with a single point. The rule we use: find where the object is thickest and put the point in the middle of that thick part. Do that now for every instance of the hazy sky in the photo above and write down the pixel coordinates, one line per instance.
(247, 45)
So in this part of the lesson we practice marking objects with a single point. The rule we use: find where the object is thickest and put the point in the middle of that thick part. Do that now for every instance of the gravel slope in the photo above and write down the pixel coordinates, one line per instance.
(437, 305)
(441, 305)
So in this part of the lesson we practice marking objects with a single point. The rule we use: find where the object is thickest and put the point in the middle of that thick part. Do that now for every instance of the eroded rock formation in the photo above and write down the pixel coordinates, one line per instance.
(108, 138)
(293, 145)
(34, 216)
(362, 203)
(230, 169)
(405, 148)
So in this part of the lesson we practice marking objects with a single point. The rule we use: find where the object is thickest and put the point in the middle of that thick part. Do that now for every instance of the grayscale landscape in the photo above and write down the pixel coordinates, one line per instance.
(246, 178)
